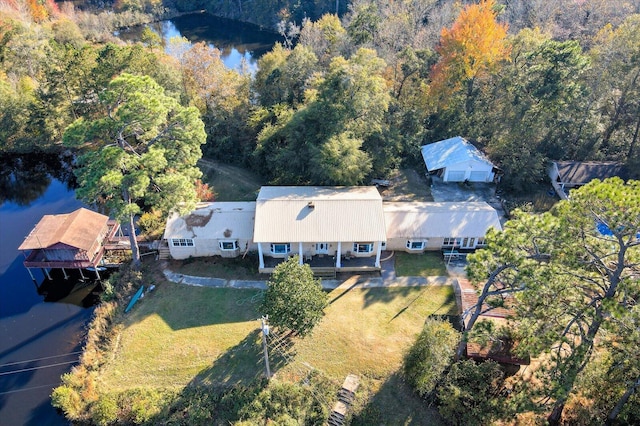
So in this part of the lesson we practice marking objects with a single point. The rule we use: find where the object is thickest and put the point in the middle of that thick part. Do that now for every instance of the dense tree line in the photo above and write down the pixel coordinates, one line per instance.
(571, 278)
(346, 99)
(350, 97)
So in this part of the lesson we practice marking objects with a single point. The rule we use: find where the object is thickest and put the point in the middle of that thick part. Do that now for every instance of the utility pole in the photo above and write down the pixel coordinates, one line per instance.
(265, 332)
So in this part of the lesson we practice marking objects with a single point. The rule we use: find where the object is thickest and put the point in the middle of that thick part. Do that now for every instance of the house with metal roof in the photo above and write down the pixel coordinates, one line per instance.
(68, 241)
(418, 226)
(212, 229)
(332, 228)
(457, 160)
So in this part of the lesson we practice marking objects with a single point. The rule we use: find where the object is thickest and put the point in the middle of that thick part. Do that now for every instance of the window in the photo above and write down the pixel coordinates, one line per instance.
(362, 247)
(481, 242)
(182, 242)
(415, 245)
(280, 248)
(228, 245)
(451, 242)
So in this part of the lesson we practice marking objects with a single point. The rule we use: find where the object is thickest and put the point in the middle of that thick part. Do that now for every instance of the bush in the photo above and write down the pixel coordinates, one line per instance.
(431, 354)
(105, 410)
(294, 299)
(138, 406)
(67, 399)
(470, 393)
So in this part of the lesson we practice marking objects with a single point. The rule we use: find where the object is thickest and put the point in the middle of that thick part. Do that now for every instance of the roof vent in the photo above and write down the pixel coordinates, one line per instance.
(310, 205)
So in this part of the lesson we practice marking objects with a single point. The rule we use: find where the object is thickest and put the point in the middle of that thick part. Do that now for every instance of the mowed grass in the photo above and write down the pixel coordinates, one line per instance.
(428, 264)
(176, 332)
(180, 335)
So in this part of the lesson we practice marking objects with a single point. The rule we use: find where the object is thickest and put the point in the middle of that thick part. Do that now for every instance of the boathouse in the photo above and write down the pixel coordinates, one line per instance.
(68, 241)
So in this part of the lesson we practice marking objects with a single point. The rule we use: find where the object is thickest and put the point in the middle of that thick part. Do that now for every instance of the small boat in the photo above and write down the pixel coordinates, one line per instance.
(99, 269)
(134, 299)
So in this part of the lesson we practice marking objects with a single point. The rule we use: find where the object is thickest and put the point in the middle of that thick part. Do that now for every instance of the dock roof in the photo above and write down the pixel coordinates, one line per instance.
(78, 229)
(319, 214)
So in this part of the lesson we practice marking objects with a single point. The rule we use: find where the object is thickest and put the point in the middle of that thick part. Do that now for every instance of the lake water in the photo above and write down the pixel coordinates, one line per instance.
(41, 330)
(236, 41)
(39, 340)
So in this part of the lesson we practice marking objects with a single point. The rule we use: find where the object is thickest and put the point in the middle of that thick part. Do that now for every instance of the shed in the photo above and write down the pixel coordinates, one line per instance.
(418, 226)
(212, 229)
(566, 175)
(457, 160)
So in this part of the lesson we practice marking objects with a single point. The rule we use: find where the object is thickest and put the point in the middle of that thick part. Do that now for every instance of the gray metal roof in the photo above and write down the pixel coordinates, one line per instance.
(437, 220)
(318, 214)
(448, 152)
(582, 172)
(217, 220)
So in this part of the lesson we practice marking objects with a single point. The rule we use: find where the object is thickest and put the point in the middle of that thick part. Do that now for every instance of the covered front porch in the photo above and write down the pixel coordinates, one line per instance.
(326, 265)
(341, 260)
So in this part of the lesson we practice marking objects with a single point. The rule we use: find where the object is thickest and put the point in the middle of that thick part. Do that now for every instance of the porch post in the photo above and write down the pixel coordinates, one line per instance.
(31, 274)
(81, 274)
(377, 265)
(47, 273)
(97, 273)
(66, 277)
(260, 257)
(339, 255)
(300, 259)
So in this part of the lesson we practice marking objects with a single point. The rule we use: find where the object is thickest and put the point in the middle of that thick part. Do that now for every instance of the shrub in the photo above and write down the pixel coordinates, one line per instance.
(431, 354)
(470, 393)
(67, 399)
(105, 410)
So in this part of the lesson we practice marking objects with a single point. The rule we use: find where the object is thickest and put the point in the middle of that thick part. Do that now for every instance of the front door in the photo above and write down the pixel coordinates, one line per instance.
(322, 248)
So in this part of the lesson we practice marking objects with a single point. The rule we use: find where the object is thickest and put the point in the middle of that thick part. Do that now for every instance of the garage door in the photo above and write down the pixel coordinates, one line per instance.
(455, 176)
(478, 176)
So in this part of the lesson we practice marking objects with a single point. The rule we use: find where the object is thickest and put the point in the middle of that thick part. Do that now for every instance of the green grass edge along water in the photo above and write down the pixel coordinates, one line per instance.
(193, 355)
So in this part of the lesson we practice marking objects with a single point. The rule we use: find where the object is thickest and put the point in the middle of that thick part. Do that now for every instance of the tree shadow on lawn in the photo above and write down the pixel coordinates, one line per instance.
(239, 365)
(389, 294)
(218, 394)
(181, 306)
(395, 403)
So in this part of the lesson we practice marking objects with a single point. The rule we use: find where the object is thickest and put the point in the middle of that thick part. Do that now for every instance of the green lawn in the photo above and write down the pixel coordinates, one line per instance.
(427, 264)
(180, 335)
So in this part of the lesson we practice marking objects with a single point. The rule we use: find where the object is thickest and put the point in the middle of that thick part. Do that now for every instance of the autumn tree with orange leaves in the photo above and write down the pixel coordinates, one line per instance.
(475, 44)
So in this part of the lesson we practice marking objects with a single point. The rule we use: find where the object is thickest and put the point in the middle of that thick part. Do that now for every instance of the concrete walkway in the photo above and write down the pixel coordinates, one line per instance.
(387, 278)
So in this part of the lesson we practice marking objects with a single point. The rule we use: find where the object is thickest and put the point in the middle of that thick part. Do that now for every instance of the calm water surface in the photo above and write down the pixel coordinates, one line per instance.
(39, 340)
(236, 41)
(41, 330)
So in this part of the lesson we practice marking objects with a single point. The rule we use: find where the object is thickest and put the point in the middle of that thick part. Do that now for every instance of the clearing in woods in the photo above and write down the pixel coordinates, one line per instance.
(230, 183)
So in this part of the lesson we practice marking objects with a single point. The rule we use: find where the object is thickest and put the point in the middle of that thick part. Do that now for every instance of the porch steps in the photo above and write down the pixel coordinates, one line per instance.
(345, 397)
(163, 252)
(329, 272)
